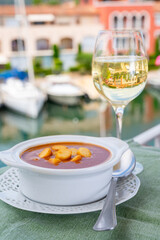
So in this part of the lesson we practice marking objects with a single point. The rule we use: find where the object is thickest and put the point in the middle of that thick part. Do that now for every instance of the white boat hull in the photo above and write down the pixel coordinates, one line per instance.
(65, 100)
(28, 106)
(23, 97)
(64, 93)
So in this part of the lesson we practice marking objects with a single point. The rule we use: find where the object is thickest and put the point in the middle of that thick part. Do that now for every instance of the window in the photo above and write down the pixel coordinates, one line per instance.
(121, 43)
(142, 21)
(117, 42)
(66, 43)
(157, 19)
(124, 22)
(134, 21)
(115, 24)
(42, 44)
(18, 45)
(144, 36)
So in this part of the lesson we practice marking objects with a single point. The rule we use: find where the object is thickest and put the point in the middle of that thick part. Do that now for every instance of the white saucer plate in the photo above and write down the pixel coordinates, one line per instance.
(126, 189)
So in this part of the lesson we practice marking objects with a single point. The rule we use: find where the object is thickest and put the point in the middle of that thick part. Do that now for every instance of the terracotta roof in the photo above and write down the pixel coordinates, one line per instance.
(64, 10)
(7, 10)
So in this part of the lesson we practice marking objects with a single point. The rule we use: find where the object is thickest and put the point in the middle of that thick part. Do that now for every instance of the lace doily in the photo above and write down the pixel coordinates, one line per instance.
(10, 194)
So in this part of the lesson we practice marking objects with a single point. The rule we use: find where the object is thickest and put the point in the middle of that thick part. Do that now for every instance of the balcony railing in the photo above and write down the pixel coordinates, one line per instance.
(150, 134)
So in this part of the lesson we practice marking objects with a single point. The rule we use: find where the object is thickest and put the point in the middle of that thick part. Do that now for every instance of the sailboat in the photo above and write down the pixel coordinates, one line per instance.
(23, 97)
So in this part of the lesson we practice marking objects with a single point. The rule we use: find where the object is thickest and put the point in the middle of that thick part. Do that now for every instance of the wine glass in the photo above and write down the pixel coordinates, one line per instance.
(119, 68)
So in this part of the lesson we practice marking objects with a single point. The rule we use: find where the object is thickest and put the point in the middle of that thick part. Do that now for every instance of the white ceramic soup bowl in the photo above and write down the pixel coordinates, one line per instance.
(65, 186)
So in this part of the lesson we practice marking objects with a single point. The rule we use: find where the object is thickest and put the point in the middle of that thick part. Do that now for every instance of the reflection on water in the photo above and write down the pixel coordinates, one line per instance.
(93, 119)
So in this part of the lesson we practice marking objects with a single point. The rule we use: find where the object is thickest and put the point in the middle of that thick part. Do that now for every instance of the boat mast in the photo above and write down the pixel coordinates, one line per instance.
(20, 12)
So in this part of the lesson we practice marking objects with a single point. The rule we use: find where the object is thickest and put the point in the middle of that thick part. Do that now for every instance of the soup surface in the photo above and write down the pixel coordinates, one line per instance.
(66, 155)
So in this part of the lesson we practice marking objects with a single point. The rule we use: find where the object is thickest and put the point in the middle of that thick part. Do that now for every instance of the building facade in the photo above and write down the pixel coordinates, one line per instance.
(68, 25)
(136, 14)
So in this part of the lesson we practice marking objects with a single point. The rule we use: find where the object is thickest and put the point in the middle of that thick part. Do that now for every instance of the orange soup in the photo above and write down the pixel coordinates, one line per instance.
(66, 155)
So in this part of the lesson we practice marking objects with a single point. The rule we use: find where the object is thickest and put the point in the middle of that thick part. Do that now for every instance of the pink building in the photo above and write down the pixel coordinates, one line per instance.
(130, 14)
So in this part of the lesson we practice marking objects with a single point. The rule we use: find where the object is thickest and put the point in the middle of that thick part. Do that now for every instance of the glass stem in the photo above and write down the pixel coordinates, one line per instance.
(119, 117)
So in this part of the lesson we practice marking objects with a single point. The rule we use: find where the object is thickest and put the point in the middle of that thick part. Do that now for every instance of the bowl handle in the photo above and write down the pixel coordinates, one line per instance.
(7, 158)
(121, 145)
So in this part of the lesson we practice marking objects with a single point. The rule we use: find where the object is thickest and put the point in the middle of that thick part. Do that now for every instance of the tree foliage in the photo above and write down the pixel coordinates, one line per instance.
(84, 62)
(56, 51)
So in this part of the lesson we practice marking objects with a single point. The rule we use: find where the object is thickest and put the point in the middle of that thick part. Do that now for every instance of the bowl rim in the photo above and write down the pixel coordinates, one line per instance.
(19, 148)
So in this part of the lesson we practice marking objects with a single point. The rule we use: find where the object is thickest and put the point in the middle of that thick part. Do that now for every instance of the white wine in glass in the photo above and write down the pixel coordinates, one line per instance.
(121, 79)
(119, 68)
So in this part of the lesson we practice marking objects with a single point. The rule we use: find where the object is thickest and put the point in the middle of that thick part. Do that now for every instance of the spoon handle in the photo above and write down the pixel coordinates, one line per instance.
(107, 219)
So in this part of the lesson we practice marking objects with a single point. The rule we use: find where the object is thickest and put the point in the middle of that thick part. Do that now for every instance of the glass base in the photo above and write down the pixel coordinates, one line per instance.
(138, 168)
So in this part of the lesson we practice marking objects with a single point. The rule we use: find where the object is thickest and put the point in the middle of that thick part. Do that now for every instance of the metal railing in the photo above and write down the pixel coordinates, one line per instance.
(150, 134)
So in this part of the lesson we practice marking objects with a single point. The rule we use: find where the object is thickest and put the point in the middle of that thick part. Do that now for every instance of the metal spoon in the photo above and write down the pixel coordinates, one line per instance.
(107, 219)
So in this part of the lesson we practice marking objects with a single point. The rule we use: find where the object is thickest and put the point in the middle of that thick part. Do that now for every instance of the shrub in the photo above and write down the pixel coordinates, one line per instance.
(53, 2)
(151, 63)
(79, 49)
(157, 52)
(58, 66)
(74, 69)
(43, 72)
(5, 67)
(38, 69)
(84, 61)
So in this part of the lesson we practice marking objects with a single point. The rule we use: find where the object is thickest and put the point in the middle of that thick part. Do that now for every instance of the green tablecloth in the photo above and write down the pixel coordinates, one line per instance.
(138, 218)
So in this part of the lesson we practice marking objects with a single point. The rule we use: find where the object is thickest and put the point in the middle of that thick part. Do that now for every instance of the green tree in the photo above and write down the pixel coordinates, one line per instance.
(37, 2)
(152, 58)
(56, 51)
(38, 68)
(58, 65)
(54, 2)
(37, 63)
(85, 62)
(8, 66)
(79, 49)
(76, 2)
(157, 47)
